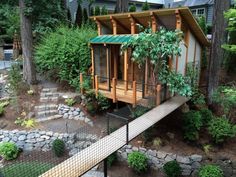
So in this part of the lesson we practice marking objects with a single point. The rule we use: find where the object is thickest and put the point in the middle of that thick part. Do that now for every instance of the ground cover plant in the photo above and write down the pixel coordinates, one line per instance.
(172, 169)
(8, 150)
(26, 169)
(210, 171)
(138, 161)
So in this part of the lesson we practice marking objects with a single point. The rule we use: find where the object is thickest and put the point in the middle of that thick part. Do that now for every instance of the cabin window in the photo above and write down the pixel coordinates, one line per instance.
(198, 12)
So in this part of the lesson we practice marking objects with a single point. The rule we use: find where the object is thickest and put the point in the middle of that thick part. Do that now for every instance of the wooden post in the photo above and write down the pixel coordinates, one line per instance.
(126, 70)
(108, 68)
(134, 94)
(81, 83)
(114, 25)
(114, 90)
(146, 77)
(99, 26)
(154, 22)
(132, 24)
(93, 65)
(187, 38)
(178, 27)
(96, 85)
(158, 98)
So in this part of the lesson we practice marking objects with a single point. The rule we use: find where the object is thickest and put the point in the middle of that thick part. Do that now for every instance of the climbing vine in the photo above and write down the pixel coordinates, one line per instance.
(158, 47)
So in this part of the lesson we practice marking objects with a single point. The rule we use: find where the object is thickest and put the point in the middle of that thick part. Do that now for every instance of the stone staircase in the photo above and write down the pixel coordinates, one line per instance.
(47, 110)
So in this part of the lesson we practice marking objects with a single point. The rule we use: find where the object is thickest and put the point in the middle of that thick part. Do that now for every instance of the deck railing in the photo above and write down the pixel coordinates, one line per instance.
(137, 91)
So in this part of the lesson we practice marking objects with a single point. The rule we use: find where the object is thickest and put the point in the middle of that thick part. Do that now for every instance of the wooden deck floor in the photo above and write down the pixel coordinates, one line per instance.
(91, 156)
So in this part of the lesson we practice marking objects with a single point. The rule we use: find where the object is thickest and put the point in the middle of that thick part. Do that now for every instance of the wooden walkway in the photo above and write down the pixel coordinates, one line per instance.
(97, 152)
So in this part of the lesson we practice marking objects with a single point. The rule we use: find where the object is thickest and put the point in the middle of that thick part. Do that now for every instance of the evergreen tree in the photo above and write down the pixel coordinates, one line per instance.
(85, 15)
(97, 11)
(79, 15)
(104, 10)
(145, 6)
(132, 8)
(92, 11)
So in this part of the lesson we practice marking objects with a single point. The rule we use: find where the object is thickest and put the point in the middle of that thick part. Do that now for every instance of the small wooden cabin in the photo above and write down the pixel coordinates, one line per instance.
(116, 76)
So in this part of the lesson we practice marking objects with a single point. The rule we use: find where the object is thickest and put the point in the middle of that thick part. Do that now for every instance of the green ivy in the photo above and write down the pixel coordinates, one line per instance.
(138, 161)
(210, 171)
(158, 47)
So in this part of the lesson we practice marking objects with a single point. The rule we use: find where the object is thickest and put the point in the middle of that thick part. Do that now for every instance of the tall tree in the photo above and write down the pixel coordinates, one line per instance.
(145, 6)
(122, 6)
(29, 73)
(218, 38)
(79, 15)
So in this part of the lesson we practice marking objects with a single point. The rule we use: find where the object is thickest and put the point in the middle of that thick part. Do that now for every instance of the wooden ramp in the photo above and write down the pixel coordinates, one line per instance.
(97, 152)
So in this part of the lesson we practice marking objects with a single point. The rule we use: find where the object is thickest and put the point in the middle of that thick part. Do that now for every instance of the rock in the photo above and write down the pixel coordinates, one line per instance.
(161, 154)
(81, 113)
(196, 165)
(75, 113)
(196, 158)
(6, 139)
(186, 172)
(73, 152)
(152, 153)
(65, 116)
(134, 148)
(143, 150)
(184, 160)
(86, 120)
(45, 137)
(170, 135)
(169, 158)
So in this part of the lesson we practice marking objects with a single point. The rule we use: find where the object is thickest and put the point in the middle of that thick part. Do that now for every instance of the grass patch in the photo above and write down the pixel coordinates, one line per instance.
(26, 169)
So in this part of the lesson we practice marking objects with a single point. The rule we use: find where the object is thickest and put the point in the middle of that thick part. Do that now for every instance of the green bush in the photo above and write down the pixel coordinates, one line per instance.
(111, 159)
(15, 79)
(206, 115)
(172, 169)
(65, 53)
(210, 171)
(192, 125)
(138, 111)
(58, 147)
(220, 129)
(91, 108)
(138, 161)
(103, 102)
(8, 150)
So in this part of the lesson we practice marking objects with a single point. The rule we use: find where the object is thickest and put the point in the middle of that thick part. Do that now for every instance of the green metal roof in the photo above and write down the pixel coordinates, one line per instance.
(111, 39)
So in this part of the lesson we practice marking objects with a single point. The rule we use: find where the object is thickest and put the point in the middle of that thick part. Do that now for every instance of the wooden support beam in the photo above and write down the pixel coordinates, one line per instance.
(126, 69)
(114, 90)
(146, 78)
(187, 38)
(96, 85)
(114, 25)
(134, 94)
(158, 98)
(116, 22)
(170, 63)
(99, 26)
(158, 20)
(81, 83)
(154, 22)
(115, 63)
(195, 51)
(108, 68)
(93, 65)
(178, 20)
(132, 24)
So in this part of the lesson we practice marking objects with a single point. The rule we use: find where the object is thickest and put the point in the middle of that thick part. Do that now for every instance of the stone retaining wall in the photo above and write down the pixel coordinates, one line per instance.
(156, 159)
(73, 113)
(42, 140)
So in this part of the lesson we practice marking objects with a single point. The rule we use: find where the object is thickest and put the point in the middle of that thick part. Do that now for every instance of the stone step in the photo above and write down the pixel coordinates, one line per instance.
(48, 99)
(49, 94)
(93, 173)
(45, 107)
(49, 118)
(46, 113)
(46, 90)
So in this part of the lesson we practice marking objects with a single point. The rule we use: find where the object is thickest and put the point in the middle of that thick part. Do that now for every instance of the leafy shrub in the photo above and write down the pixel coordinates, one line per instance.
(111, 159)
(70, 101)
(172, 169)
(220, 129)
(2, 106)
(30, 92)
(65, 53)
(206, 115)
(1, 110)
(15, 79)
(58, 147)
(138, 161)
(226, 97)
(207, 148)
(210, 171)
(25, 122)
(91, 108)
(100, 102)
(8, 150)
(138, 111)
(192, 125)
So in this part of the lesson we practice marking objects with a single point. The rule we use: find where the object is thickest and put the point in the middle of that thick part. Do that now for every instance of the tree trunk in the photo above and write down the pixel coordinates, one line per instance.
(218, 38)
(122, 6)
(29, 73)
